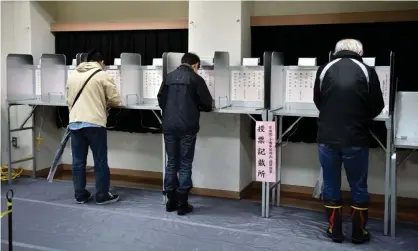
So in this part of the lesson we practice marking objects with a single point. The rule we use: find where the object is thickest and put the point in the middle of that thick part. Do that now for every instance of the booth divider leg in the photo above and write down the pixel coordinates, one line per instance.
(263, 199)
(9, 145)
(279, 160)
(267, 199)
(33, 142)
(388, 195)
(394, 193)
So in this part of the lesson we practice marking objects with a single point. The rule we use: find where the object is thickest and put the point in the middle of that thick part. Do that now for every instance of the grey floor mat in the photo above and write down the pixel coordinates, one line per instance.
(46, 218)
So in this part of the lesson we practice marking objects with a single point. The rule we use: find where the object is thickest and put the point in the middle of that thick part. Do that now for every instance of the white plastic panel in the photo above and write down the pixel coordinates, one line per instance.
(209, 77)
(38, 88)
(247, 85)
(69, 72)
(115, 73)
(157, 62)
(152, 80)
(306, 61)
(405, 120)
(369, 61)
(299, 85)
(20, 77)
(383, 72)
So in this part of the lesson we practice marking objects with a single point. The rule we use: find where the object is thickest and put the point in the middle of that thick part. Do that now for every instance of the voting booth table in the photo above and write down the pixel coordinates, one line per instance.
(272, 91)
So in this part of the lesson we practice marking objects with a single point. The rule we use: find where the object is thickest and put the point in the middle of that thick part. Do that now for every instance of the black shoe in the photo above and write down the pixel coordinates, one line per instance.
(359, 217)
(171, 204)
(183, 205)
(111, 198)
(85, 199)
(334, 215)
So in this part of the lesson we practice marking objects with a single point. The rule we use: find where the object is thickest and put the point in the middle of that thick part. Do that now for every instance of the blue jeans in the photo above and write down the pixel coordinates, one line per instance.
(356, 164)
(81, 139)
(180, 153)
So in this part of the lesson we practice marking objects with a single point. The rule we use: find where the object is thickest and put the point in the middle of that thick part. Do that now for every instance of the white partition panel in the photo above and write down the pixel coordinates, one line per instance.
(222, 90)
(53, 78)
(171, 60)
(130, 78)
(406, 120)
(20, 77)
(70, 70)
(277, 94)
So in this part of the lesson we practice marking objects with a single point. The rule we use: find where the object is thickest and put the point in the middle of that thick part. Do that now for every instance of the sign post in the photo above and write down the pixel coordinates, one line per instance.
(265, 151)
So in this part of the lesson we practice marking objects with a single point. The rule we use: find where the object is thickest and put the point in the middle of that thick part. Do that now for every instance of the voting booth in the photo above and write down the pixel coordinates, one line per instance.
(271, 90)
(405, 138)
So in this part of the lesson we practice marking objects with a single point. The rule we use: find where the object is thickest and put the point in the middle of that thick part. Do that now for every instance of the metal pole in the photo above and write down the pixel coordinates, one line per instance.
(279, 161)
(267, 199)
(9, 145)
(9, 197)
(394, 193)
(263, 199)
(34, 143)
(388, 195)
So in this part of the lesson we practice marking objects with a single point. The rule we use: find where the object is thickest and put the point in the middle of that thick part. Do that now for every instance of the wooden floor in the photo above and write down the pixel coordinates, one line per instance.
(291, 196)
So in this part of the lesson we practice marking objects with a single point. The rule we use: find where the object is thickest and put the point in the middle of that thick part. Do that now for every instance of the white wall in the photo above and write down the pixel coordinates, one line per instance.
(87, 11)
(25, 30)
(100, 11)
(143, 151)
(15, 38)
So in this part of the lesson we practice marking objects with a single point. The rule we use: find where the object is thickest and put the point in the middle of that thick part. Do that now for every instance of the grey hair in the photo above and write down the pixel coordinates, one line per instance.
(349, 45)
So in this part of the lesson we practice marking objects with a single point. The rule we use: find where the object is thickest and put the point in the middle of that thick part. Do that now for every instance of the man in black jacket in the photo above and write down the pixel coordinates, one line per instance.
(182, 96)
(348, 96)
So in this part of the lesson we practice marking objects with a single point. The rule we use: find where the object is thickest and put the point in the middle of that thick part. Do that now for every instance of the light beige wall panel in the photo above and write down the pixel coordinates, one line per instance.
(107, 11)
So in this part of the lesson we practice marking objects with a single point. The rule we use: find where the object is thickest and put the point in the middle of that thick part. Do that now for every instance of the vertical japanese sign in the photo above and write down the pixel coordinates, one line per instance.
(265, 151)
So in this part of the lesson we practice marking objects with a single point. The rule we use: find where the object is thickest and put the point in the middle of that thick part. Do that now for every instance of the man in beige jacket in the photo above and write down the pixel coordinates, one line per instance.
(88, 118)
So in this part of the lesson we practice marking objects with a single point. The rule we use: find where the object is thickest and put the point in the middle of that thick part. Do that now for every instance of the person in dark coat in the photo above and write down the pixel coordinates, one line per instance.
(182, 96)
(348, 96)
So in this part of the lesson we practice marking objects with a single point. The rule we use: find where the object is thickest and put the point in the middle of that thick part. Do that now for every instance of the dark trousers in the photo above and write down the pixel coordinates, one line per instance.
(81, 139)
(180, 153)
(356, 164)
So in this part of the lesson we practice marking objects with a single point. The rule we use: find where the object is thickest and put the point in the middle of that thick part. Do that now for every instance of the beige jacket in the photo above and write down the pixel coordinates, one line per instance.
(99, 93)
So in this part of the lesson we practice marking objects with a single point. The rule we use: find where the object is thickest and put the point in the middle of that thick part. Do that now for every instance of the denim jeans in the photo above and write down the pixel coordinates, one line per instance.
(356, 164)
(180, 153)
(81, 139)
